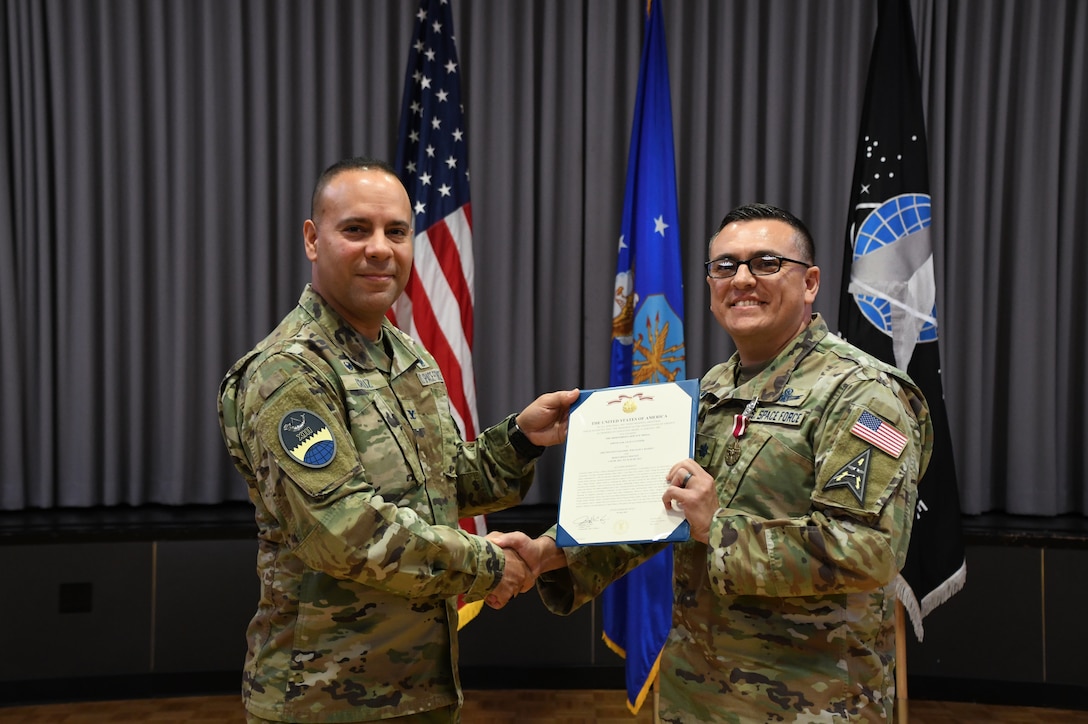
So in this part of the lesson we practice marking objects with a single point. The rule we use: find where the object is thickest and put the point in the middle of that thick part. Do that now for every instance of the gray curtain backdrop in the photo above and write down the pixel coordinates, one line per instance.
(157, 157)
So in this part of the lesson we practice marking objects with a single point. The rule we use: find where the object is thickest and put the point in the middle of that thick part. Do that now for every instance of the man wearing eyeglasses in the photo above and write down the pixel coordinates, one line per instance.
(800, 499)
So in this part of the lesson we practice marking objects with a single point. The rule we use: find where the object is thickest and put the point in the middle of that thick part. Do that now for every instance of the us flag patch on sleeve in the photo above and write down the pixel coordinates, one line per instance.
(873, 430)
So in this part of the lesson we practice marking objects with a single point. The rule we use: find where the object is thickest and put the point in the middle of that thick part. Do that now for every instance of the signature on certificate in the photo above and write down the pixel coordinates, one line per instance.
(591, 521)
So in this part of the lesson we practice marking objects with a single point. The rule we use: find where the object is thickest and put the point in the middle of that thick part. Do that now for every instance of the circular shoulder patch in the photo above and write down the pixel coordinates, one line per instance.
(307, 439)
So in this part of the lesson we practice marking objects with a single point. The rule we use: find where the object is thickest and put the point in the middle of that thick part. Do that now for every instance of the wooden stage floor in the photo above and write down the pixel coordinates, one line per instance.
(485, 707)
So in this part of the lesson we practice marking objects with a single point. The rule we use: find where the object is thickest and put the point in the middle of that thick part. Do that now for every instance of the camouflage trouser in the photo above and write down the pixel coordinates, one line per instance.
(446, 715)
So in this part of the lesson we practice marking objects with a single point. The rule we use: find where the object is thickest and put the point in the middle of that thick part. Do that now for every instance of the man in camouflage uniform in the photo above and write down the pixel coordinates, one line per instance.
(341, 425)
(800, 499)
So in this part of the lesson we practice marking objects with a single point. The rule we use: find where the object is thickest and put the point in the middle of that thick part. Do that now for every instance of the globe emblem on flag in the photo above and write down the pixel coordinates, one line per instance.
(895, 218)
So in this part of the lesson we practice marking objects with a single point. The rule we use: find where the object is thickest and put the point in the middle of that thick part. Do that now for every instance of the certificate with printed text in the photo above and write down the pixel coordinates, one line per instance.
(621, 442)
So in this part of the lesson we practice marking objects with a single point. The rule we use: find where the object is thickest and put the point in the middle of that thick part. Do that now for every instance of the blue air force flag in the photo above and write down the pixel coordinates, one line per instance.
(647, 339)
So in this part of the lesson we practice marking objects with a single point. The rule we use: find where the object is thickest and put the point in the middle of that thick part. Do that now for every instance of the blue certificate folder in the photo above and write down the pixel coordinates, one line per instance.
(611, 492)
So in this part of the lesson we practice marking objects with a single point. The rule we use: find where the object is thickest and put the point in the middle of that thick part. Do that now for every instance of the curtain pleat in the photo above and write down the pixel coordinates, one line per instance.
(157, 159)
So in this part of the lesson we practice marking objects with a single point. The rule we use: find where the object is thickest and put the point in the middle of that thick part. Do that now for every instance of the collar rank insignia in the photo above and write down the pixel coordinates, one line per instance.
(853, 475)
(307, 439)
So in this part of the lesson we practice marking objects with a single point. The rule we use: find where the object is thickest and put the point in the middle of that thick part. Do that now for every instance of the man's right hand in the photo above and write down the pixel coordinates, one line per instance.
(539, 555)
(516, 578)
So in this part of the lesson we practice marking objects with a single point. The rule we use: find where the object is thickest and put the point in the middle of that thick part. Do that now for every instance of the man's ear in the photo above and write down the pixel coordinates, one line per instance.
(309, 237)
(812, 283)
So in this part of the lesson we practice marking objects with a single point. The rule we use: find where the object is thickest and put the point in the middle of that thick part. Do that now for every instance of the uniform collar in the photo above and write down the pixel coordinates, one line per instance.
(351, 342)
(768, 385)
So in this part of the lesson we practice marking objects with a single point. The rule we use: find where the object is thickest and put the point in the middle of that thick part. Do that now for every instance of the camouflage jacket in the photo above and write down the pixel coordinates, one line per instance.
(358, 477)
(788, 613)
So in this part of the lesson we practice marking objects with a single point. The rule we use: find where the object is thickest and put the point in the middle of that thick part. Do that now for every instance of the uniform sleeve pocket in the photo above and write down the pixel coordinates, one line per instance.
(307, 439)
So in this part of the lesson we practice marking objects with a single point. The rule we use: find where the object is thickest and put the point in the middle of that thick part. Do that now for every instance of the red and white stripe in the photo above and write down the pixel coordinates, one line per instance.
(437, 309)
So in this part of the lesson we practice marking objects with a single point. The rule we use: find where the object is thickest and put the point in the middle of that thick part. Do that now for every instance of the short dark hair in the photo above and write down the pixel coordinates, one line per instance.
(361, 163)
(754, 212)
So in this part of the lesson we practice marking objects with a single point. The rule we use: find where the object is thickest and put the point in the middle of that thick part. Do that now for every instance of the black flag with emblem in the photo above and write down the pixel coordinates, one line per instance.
(888, 301)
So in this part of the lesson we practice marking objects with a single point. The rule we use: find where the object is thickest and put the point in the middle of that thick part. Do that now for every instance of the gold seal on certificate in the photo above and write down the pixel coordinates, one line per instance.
(621, 442)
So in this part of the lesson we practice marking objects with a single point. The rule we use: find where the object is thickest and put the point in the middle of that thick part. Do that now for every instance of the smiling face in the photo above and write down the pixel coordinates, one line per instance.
(762, 313)
(360, 245)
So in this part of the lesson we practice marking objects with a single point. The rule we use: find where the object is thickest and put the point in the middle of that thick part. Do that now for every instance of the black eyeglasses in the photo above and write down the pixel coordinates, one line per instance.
(761, 265)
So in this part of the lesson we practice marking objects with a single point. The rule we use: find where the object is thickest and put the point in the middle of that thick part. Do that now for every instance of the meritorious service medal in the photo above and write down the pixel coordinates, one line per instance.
(740, 424)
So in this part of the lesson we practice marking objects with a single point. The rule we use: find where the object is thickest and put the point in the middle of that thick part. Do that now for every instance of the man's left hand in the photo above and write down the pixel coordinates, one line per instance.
(692, 491)
(545, 420)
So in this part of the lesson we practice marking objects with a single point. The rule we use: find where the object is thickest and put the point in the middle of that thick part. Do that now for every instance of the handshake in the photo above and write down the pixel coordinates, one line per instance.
(691, 489)
(526, 559)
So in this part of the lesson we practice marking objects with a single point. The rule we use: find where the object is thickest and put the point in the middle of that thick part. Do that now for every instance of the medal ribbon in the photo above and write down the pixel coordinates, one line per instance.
(740, 422)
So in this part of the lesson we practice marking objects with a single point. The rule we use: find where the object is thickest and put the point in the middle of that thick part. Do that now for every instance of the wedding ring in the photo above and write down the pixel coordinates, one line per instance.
(684, 482)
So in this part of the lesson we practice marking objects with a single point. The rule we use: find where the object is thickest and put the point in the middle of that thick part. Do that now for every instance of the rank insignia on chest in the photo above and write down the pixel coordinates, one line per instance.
(853, 475)
(307, 439)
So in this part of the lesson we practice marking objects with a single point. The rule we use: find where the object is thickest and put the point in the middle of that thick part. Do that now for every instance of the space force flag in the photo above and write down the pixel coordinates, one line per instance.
(888, 301)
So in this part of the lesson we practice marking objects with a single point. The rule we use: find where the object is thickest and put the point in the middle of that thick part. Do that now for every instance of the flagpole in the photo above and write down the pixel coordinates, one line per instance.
(436, 307)
(647, 343)
(900, 662)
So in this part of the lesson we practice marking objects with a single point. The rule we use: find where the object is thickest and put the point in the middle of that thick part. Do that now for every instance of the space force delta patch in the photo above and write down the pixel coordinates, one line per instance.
(307, 439)
(854, 475)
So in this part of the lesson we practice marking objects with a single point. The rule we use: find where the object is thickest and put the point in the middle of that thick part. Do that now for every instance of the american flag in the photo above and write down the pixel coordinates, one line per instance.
(432, 159)
(872, 429)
